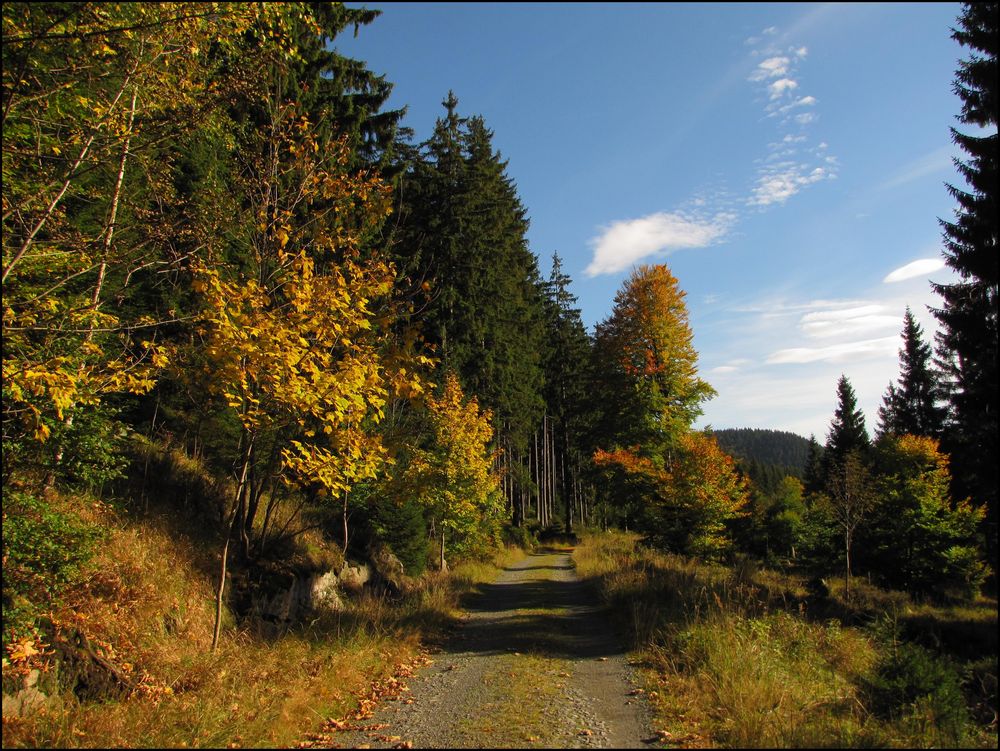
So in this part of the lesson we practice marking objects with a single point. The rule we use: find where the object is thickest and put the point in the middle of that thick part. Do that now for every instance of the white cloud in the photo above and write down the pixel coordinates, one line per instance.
(780, 182)
(848, 321)
(805, 118)
(916, 268)
(623, 243)
(772, 67)
(780, 87)
(802, 52)
(844, 352)
(800, 346)
(776, 108)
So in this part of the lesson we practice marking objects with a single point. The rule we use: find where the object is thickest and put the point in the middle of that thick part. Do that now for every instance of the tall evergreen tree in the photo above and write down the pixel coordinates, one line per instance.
(969, 317)
(812, 477)
(463, 240)
(912, 407)
(847, 431)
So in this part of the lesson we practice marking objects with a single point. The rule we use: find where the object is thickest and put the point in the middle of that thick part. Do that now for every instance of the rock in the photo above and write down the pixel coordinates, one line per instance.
(323, 594)
(388, 569)
(28, 700)
(354, 578)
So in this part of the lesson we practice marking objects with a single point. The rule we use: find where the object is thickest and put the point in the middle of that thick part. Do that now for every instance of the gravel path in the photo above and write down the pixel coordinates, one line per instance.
(535, 663)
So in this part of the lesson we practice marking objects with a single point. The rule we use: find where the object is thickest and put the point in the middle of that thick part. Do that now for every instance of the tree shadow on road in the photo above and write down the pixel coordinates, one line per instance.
(548, 617)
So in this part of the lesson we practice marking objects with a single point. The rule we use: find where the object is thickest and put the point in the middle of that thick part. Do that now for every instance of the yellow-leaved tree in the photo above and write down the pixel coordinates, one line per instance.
(453, 476)
(297, 342)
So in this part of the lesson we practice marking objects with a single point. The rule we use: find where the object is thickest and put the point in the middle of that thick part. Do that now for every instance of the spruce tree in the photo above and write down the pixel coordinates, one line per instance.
(847, 431)
(812, 477)
(912, 407)
(462, 241)
(968, 341)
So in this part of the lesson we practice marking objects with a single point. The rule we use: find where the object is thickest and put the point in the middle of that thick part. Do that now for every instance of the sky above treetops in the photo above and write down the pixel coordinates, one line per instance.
(786, 161)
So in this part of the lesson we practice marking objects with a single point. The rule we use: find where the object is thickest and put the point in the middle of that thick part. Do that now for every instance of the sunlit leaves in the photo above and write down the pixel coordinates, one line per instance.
(648, 360)
(453, 477)
(691, 501)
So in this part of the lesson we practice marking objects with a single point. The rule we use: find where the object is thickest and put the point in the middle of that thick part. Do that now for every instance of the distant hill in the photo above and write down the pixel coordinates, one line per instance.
(765, 447)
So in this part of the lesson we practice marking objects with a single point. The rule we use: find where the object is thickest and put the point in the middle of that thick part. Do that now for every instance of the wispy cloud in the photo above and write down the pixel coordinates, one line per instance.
(838, 353)
(624, 243)
(800, 346)
(772, 67)
(789, 167)
(911, 270)
(777, 89)
(936, 161)
(848, 321)
(777, 183)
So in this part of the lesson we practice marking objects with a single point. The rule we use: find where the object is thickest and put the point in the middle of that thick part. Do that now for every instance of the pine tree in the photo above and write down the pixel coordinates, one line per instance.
(477, 291)
(968, 342)
(812, 477)
(847, 431)
(912, 407)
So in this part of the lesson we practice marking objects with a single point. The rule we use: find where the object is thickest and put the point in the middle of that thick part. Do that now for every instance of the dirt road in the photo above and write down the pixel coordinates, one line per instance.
(535, 663)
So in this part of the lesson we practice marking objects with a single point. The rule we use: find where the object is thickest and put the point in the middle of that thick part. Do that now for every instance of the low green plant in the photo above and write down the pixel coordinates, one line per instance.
(44, 550)
(923, 691)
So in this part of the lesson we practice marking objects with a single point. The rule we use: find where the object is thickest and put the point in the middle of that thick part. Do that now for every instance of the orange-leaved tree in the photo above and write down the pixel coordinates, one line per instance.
(688, 504)
(648, 363)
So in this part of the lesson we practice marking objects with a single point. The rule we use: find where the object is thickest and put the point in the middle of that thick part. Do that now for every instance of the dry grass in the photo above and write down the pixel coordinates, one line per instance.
(732, 661)
(148, 609)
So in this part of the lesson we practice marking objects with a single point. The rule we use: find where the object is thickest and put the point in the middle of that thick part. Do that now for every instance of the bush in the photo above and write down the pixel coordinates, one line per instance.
(520, 537)
(914, 685)
(44, 550)
(402, 527)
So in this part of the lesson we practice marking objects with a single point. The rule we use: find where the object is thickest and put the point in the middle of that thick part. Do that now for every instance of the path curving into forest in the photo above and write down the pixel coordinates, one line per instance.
(534, 663)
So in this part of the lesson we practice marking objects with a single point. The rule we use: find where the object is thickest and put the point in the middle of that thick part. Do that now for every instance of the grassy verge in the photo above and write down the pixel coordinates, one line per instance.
(740, 658)
(146, 610)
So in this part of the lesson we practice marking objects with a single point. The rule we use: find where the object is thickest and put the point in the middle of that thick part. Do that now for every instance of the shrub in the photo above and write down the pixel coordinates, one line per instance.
(914, 685)
(44, 550)
(403, 528)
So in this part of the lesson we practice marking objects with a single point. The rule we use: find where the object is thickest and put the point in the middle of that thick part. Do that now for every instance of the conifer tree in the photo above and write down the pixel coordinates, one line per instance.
(812, 478)
(968, 341)
(847, 431)
(463, 241)
(912, 407)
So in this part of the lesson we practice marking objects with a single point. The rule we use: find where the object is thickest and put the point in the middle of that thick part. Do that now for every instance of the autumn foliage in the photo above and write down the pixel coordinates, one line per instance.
(689, 502)
(453, 476)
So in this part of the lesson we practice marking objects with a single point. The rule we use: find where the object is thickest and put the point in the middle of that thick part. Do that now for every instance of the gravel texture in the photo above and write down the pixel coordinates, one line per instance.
(534, 663)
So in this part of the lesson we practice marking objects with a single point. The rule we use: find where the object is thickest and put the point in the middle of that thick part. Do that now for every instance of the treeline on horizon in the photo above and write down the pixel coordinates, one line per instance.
(219, 248)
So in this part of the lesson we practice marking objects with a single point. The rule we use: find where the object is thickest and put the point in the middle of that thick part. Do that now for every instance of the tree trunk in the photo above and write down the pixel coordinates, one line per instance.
(441, 561)
(345, 525)
(847, 560)
(220, 592)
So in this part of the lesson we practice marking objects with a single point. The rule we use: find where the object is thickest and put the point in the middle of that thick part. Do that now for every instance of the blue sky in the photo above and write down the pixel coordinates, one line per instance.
(786, 161)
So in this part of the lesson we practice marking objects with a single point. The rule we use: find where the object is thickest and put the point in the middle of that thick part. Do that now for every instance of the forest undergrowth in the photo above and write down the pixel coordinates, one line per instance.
(144, 606)
(740, 657)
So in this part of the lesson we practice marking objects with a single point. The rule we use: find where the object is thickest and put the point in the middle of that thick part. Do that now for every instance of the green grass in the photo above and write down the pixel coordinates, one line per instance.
(734, 658)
